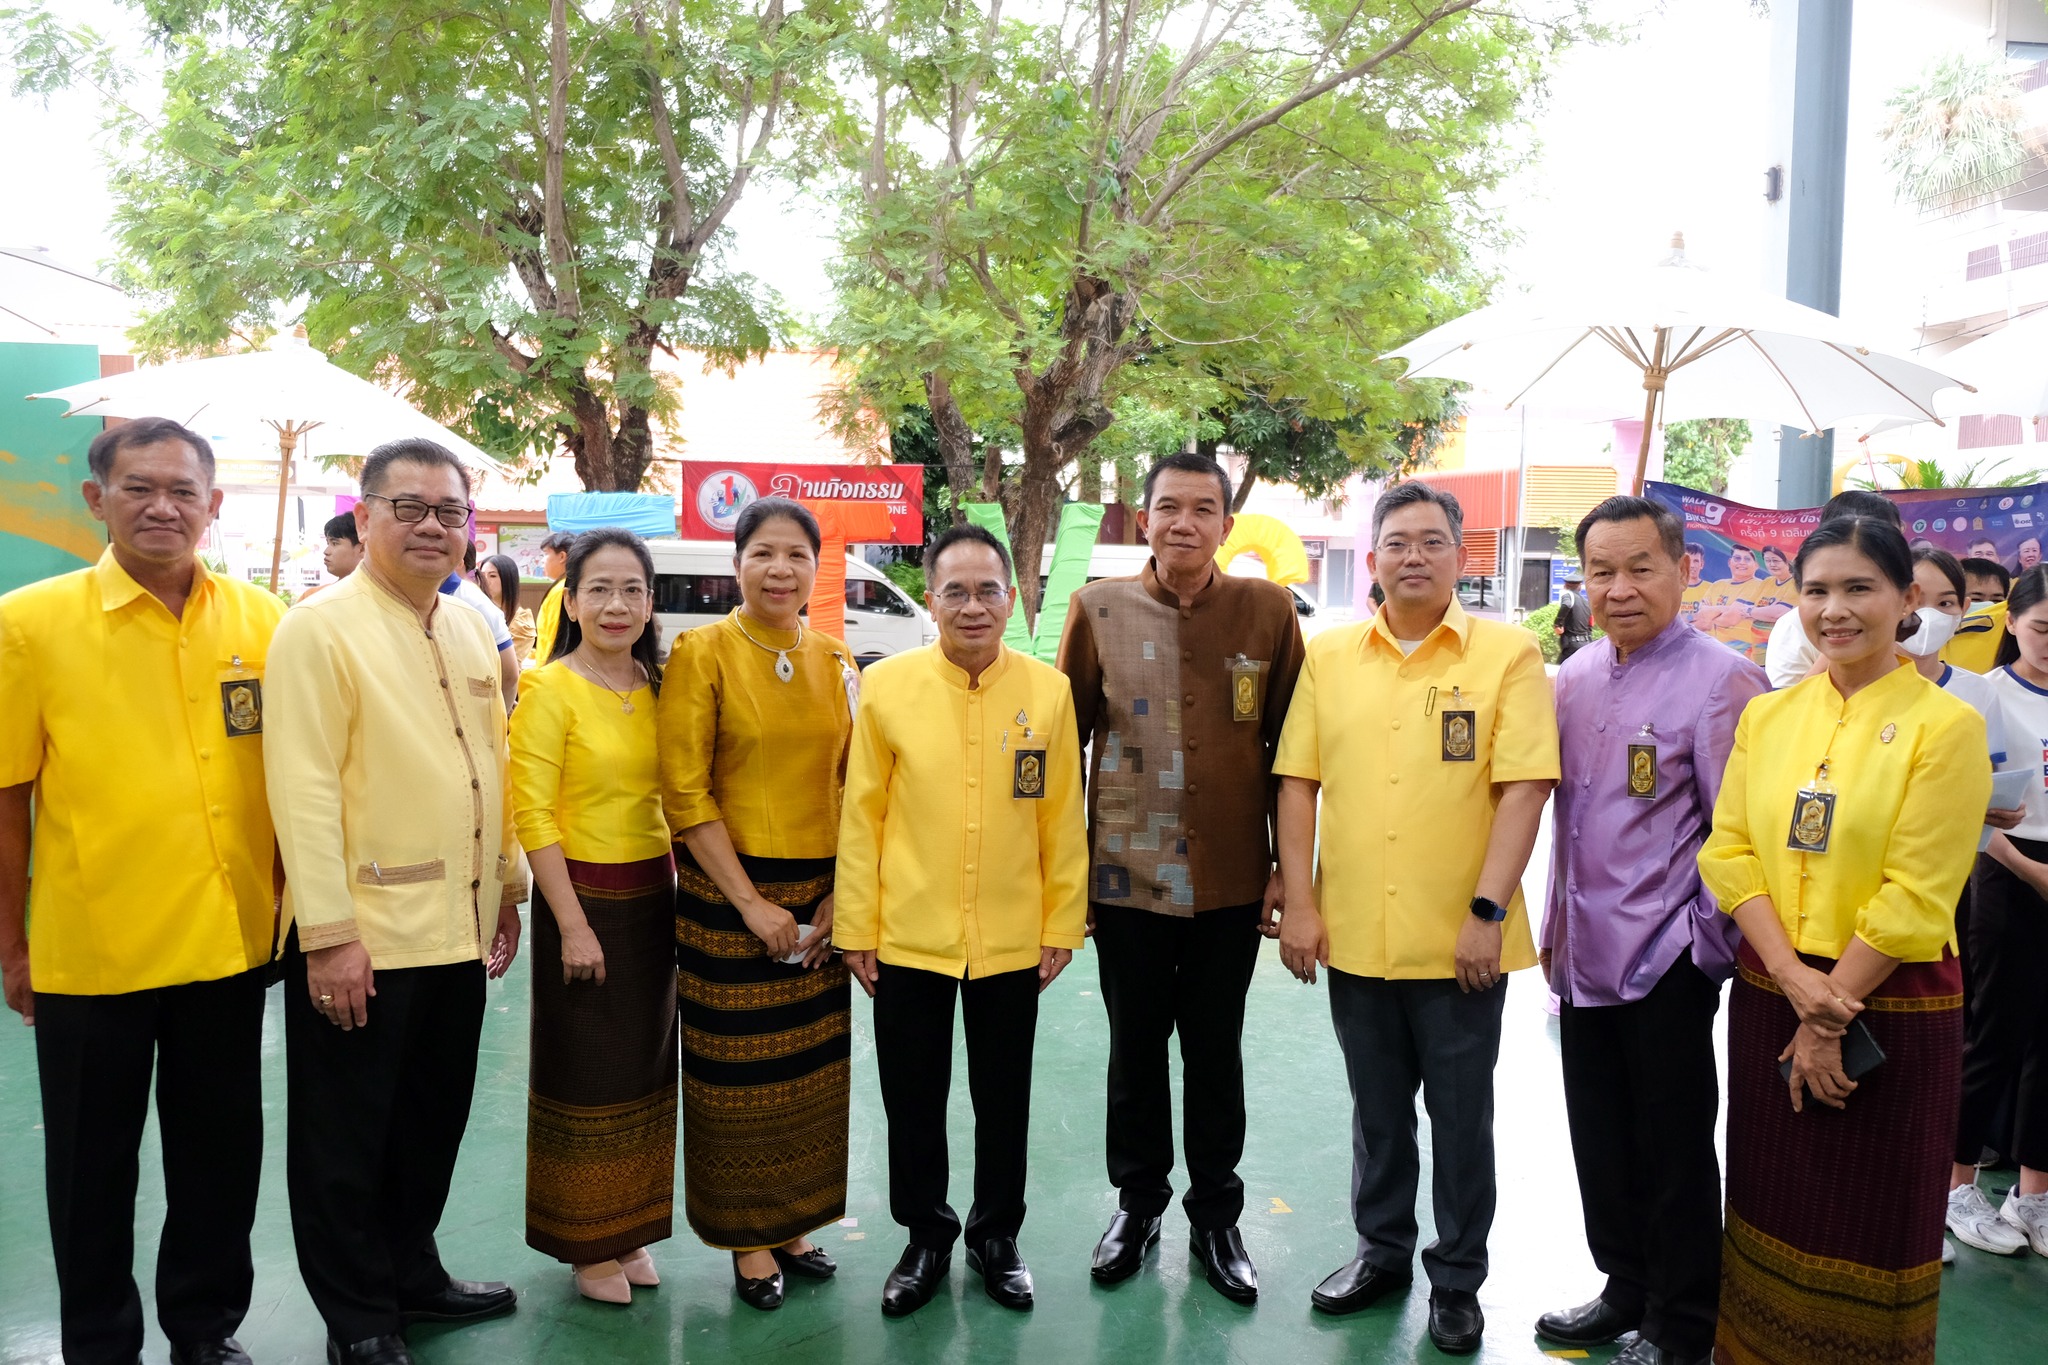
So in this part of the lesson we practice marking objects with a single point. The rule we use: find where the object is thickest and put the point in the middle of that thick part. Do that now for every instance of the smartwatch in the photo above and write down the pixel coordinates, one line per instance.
(1490, 911)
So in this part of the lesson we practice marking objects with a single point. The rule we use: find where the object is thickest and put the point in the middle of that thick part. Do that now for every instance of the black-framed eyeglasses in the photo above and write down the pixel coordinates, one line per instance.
(411, 511)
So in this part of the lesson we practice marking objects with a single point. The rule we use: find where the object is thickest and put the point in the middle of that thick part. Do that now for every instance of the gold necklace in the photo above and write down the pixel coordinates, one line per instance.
(784, 669)
(589, 671)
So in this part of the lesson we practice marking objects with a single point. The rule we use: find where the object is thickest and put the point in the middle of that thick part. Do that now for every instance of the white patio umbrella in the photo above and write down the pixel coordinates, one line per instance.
(2008, 367)
(290, 388)
(1680, 342)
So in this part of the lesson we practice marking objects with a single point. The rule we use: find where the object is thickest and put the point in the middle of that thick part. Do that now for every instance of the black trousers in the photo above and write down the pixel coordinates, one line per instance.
(1642, 1094)
(95, 1055)
(1162, 974)
(377, 1115)
(914, 1057)
(1568, 645)
(2006, 1034)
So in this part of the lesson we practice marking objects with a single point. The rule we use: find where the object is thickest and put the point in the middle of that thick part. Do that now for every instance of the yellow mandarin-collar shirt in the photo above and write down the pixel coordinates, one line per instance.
(1912, 776)
(738, 744)
(583, 769)
(1974, 647)
(947, 862)
(1403, 831)
(153, 851)
(548, 624)
(386, 759)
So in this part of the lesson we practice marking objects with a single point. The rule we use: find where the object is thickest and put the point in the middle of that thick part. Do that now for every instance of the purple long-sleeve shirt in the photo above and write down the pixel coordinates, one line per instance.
(1625, 896)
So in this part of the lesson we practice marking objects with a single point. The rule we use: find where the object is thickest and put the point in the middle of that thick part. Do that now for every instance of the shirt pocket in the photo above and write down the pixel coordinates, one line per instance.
(408, 902)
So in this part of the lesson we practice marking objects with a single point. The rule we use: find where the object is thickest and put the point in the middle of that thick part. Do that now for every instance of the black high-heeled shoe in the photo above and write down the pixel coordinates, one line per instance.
(764, 1294)
(812, 1265)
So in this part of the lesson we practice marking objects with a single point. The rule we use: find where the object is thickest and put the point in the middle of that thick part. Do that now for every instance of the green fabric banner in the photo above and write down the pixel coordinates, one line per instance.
(1073, 545)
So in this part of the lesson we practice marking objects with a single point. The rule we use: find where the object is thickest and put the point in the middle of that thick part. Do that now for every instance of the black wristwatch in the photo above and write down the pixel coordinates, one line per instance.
(1490, 911)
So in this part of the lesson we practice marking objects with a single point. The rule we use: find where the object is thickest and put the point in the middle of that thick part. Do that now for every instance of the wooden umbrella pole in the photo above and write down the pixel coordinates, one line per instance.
(287, 442)
(1654, 375)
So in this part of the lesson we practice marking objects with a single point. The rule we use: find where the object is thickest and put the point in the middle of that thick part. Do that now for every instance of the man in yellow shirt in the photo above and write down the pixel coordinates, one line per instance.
(387, 765)
(547, 624)
(1431, 740)
(1694, 604)
(962, 873)
(1735, 600)
(131, 709)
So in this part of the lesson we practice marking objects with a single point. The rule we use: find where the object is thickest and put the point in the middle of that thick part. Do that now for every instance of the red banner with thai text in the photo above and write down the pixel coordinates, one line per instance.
(715, 493)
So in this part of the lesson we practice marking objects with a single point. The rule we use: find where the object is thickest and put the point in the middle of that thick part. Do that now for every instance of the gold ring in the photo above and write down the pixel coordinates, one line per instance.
(326, 999)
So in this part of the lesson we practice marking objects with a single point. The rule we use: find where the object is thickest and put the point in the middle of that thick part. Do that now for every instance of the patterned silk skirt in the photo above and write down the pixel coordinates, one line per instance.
(601, 1107)
(1832, 1253)
(767, 1063)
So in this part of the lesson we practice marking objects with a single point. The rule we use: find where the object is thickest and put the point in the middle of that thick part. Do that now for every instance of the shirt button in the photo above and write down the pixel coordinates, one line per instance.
(1186, 655)
(475, 785)
(1394, 778)
(182, 642)
(1575, 834)
(970, 867)
(1397, 725)
(480, 834)
(191, 696)
(458, 732)
(206, 753)
(973, 781)
(216, 810)
(1188, 700)
(1194, 744)
(1191, 834)
(1390, 891)
(475, 883)
(1602, 727)
(444, 682)
(974, 739)
(973, 828)
(1391, 836)
(1192, 789)
(1185, 613)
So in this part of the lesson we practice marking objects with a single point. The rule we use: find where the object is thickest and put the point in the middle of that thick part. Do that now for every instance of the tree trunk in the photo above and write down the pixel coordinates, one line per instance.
(1091, 479)
(1032, 523)
(1244, 488)
(992, 473)
(956, 442)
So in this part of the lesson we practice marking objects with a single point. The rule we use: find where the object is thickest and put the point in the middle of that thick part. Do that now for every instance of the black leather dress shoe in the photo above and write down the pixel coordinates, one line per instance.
(1003, 1273)
(764, 1294)
(812, 1265)
(1358, 1284)
(1455, 1322)
(1230, 1268)
(224, 1351)
(1644, 1352)
(918, 1274)
(461, 1301)
(1122, 1249)
(374, 1351)
(1590, 1324)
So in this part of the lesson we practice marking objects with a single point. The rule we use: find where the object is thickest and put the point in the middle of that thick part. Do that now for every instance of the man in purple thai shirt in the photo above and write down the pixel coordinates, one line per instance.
(1633, 945)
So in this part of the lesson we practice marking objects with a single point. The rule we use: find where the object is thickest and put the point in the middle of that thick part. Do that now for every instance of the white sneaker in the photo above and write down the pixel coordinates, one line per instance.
(1948, 1252)
(1975, 1223)
(2029, 1214)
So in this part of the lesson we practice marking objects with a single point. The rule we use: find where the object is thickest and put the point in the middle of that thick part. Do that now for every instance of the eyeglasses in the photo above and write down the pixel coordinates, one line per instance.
(953, 599)
(1432, 546)
(411, 511)
(632, 595)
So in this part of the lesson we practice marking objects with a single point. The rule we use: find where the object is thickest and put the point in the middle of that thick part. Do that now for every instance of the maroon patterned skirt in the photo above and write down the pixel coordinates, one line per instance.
(1832, 1253)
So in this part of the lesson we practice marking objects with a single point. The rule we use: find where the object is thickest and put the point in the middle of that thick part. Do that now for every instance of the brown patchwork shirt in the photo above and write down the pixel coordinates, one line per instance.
(1182, 706)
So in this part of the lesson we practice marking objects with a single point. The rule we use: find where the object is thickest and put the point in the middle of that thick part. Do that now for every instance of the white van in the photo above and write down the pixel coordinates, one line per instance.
(1123, 561)
(694, 586)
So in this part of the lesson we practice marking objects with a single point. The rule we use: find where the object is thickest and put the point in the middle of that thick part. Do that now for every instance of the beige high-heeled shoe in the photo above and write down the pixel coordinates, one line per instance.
(639, 1268)
(605, 1282)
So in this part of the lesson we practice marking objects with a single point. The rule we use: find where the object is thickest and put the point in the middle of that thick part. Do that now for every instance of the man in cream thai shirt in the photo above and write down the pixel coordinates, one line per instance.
(386, 764)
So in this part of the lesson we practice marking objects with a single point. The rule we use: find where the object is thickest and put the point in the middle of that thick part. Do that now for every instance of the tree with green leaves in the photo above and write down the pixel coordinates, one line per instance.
(1958, 137)
(1283, 443)
(510, 210)
(1698, 453)
(1176, 202)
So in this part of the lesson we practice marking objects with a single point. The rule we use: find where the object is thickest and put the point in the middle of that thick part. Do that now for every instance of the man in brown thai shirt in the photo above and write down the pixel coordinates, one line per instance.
(1181, 680)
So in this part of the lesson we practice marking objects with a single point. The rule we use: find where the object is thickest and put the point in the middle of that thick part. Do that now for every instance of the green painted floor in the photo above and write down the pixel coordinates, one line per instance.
(1296, 1169)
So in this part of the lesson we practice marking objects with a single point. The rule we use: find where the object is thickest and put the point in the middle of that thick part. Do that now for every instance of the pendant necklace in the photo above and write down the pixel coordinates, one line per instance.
(589, 671)
(784, 669)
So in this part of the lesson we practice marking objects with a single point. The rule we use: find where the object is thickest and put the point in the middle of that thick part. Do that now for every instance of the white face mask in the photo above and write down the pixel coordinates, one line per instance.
(1937, 628)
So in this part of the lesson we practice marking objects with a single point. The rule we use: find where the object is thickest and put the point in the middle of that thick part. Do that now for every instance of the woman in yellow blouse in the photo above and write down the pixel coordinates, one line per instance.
(754, 730)
(601, 1109)
(1846, 825)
